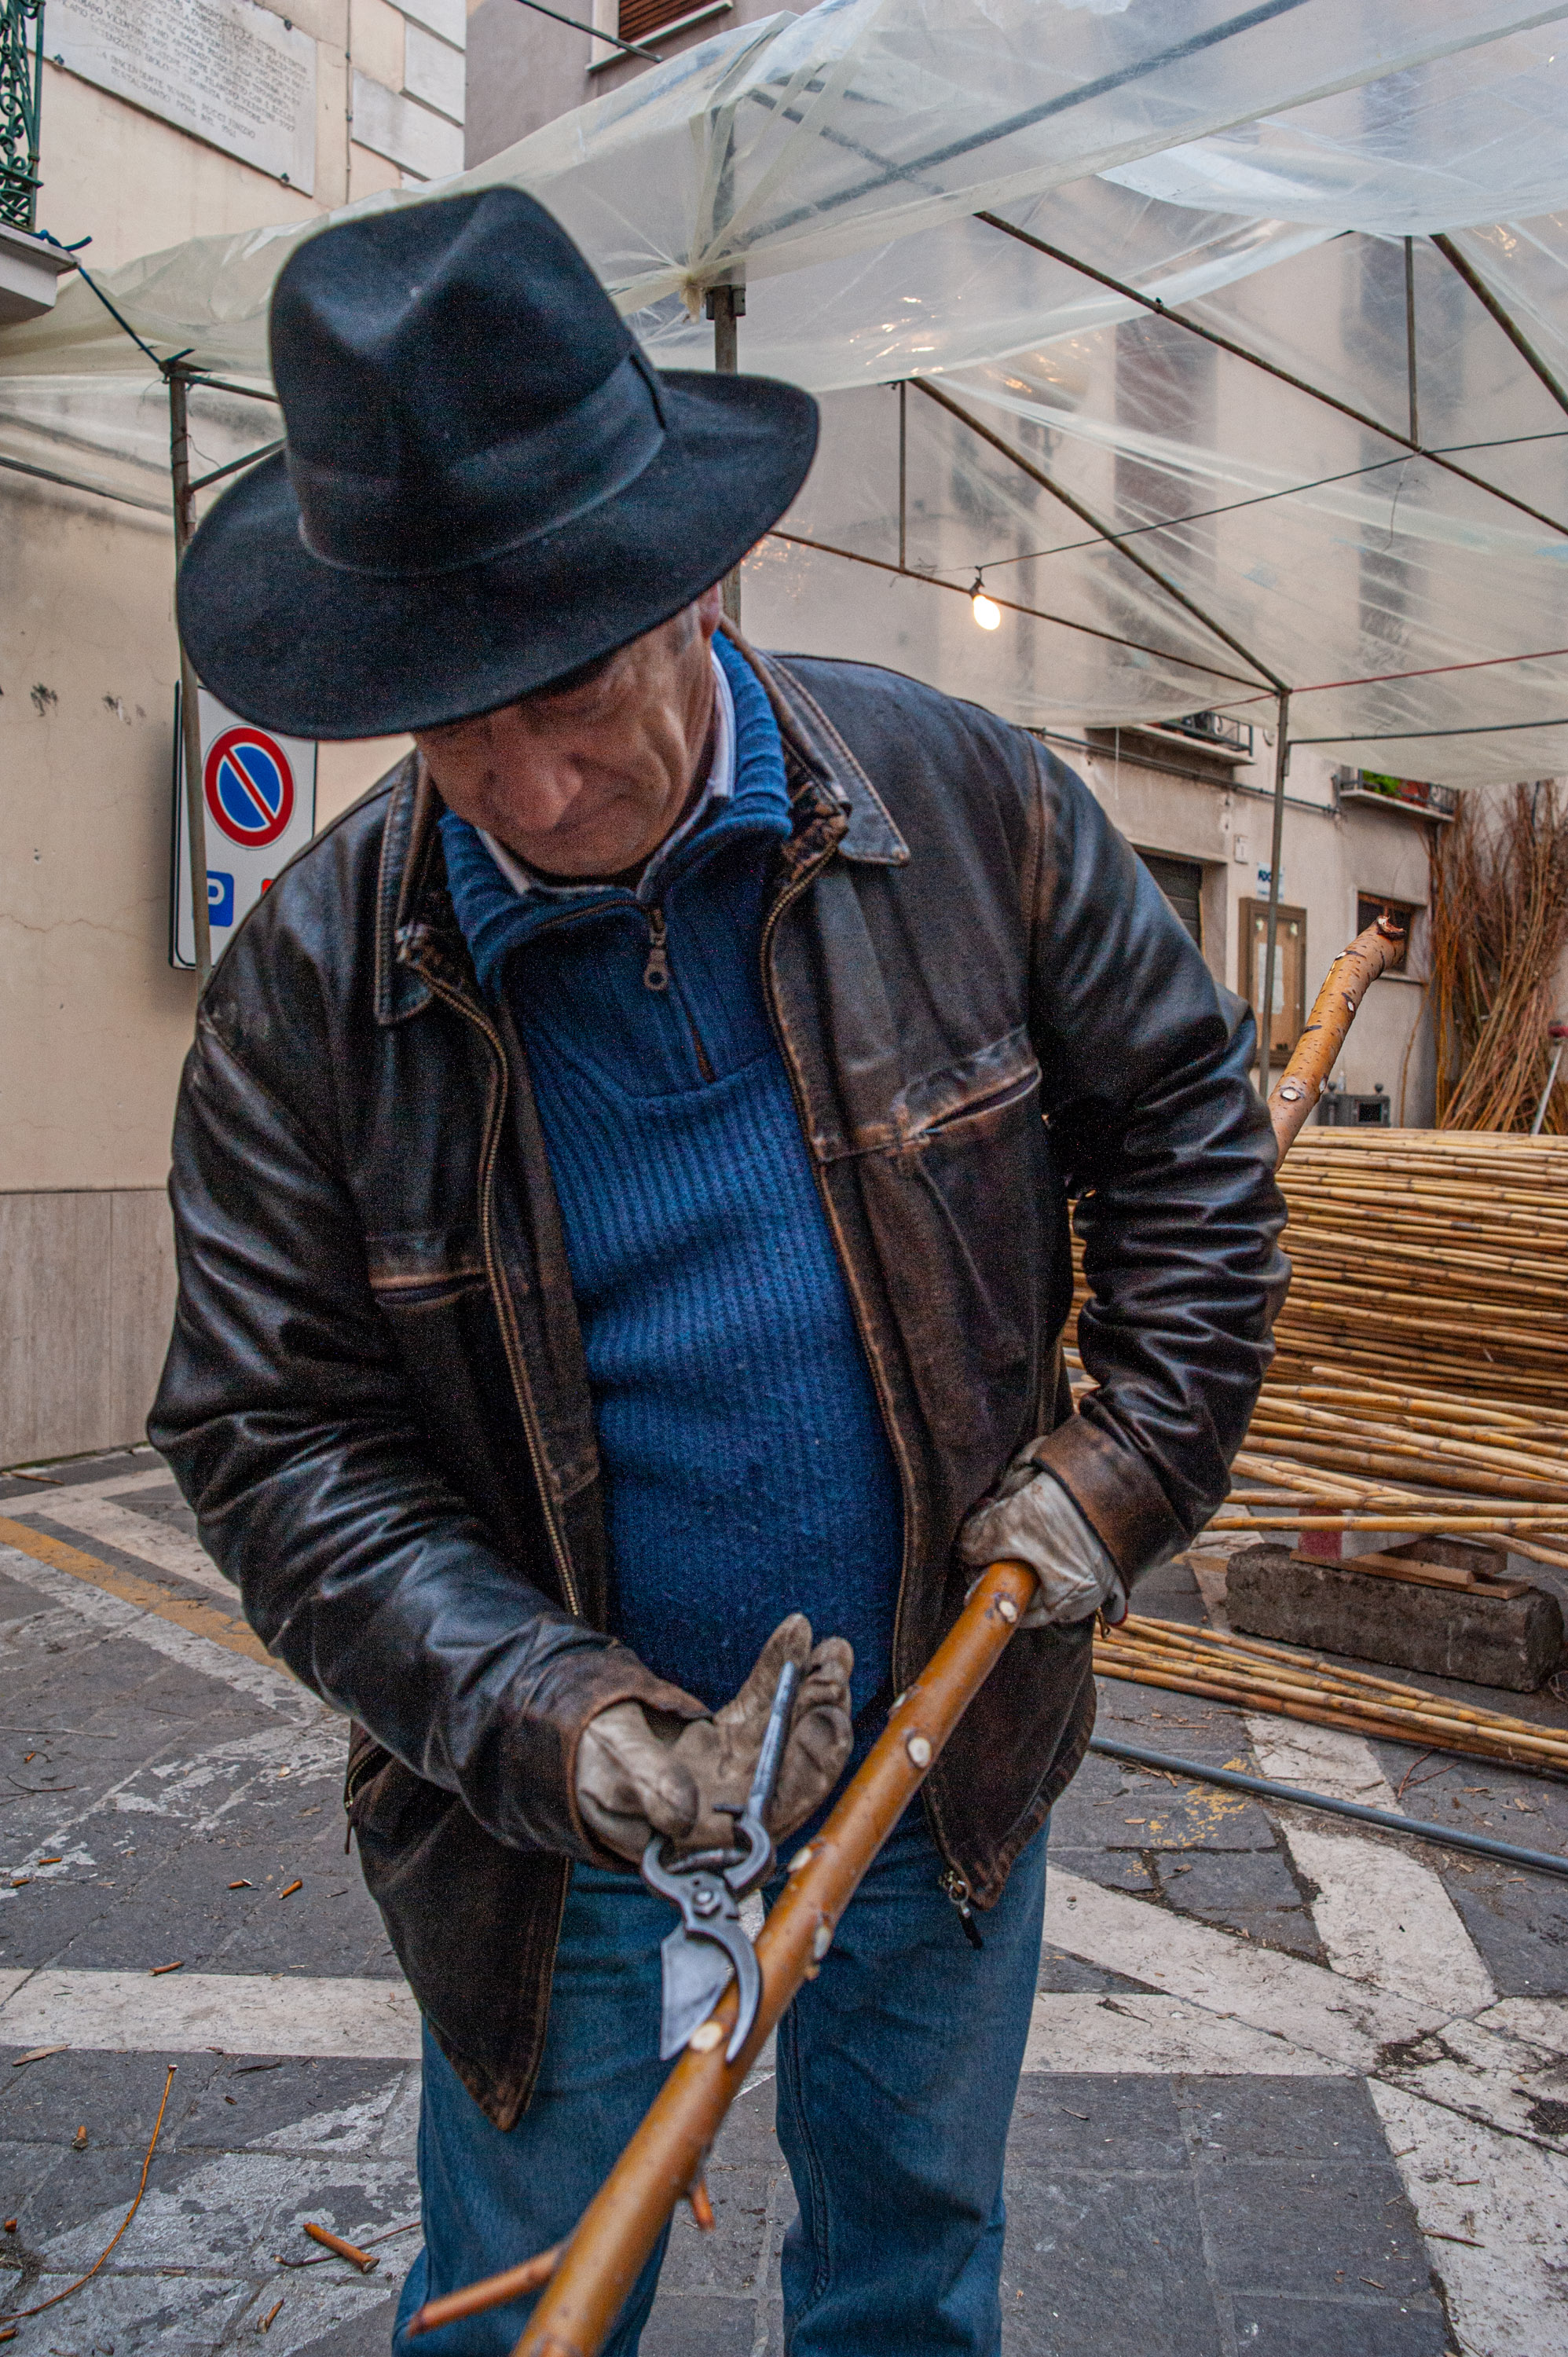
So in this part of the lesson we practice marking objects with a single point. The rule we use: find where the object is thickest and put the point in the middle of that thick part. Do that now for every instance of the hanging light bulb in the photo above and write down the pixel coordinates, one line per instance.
(986, 611)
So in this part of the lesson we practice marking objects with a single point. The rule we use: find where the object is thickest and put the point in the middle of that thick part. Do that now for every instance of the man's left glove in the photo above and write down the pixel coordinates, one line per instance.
(1032, 1520)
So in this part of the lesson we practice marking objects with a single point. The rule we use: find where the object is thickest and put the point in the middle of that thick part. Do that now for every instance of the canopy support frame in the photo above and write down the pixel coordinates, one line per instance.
(1009, 605)
(1505, 320)
(178, 382)
(1282, 741)
(726, 306)
(1102, 531)
(1269, 367)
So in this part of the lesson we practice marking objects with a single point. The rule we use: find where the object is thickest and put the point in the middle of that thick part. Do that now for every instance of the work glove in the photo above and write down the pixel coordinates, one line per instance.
(639, 1773)
(1032, 1520)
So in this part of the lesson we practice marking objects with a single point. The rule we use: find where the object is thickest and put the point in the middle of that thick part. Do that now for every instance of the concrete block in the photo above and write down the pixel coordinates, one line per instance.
(407, 134)
(433, 72)
(447, 17)
(1511, 1641)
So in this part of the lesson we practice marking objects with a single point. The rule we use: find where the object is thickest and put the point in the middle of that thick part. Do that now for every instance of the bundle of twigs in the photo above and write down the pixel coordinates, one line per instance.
(1252, 1676)
(1499, 927)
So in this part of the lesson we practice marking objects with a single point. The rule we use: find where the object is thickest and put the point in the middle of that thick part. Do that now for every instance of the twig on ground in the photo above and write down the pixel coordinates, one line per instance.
(14, 2316)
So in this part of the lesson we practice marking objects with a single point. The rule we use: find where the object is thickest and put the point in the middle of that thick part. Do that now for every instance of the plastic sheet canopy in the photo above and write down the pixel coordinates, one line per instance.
(1261, 167)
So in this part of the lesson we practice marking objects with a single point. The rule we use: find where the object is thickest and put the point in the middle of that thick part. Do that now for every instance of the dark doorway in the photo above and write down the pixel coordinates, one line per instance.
(1181, 881)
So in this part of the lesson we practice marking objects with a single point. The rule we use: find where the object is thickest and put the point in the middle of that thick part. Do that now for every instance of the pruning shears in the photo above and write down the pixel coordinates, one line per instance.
(707, 1885)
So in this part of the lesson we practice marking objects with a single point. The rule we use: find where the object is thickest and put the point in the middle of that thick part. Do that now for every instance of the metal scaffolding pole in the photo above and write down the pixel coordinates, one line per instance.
(1515, 333)
(1114, 539)
(189, 708)
(1277, 855)
(725, 306)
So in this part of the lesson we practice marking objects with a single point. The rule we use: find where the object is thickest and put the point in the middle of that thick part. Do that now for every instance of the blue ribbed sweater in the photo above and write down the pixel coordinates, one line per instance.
(747, 1471)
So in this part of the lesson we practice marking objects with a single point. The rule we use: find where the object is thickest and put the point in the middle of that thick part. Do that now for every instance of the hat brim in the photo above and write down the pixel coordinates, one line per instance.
(304, 647)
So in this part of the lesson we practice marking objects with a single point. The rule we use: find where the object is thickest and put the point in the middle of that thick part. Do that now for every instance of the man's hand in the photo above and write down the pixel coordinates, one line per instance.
(1032, 1520)
(639, 1775)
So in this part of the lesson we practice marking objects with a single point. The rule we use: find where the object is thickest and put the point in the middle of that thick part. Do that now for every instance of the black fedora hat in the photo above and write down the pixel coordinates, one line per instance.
(486, 484)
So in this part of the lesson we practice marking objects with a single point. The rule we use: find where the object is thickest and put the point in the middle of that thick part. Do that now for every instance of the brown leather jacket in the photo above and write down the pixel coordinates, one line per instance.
(376, 1399)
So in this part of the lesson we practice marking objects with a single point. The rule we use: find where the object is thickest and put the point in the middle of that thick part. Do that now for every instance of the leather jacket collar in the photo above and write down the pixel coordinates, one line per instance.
(834, 806)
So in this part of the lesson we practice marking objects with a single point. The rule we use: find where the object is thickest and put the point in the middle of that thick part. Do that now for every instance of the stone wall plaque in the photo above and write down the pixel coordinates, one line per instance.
(228, 71)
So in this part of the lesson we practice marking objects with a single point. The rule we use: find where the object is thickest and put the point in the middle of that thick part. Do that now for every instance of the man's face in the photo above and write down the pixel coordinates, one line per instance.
(590, 779)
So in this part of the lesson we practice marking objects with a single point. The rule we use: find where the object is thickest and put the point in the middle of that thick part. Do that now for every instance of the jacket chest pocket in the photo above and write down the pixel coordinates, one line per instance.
(980, 1097)
(434, 1269)
(970, 1220)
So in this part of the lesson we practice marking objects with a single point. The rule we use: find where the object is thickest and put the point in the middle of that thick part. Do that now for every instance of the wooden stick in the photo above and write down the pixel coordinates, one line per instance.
(495, 2291)
(366, 2261)
(626, 2216)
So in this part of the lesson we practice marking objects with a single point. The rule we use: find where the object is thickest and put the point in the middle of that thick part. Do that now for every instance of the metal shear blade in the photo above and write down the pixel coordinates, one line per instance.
(710, 1942)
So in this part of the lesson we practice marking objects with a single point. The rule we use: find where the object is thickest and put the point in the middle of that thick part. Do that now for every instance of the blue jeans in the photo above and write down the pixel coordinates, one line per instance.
(897, 2068)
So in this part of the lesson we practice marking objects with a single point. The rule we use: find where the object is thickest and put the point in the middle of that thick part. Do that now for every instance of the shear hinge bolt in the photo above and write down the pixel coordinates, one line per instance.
(1008, 1609)
(918, 1748)
(705, 2036)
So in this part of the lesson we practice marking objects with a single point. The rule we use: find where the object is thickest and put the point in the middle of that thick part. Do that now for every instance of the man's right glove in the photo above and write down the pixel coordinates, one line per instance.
(1032, 1520)
(638, 1775)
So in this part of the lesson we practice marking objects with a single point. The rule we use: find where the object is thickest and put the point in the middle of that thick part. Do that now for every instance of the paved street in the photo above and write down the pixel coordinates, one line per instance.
(1290, 2089)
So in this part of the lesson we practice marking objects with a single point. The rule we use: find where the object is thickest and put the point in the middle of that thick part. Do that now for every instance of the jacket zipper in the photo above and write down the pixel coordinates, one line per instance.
(955, 1889)
(657, 976)
(522, 1388)
(785, 901)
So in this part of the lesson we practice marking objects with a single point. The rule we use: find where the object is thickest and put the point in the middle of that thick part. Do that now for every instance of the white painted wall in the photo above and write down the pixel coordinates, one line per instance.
(93, 1024)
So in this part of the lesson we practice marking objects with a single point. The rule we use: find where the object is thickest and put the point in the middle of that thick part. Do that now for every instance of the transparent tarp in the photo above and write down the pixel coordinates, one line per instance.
(1260, 167)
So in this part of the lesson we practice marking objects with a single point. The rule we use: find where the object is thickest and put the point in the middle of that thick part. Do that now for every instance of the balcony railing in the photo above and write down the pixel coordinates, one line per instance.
(1416, 795)
(1227, 735)
(21, 87)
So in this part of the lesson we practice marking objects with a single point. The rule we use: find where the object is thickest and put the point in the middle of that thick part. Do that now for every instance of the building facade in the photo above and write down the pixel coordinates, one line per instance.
(136, 150)
(381, 94)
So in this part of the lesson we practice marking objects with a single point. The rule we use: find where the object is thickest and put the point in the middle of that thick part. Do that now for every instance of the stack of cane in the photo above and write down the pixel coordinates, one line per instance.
(1420, 1384)
(1250, 1674)
(1437, 1259)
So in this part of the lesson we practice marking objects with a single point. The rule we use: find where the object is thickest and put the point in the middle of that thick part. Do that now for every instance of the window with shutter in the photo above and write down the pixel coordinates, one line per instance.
(639, 19)
(1181, 881)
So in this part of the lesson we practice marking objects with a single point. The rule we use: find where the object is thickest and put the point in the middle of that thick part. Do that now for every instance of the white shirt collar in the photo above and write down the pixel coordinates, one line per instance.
(719, 787)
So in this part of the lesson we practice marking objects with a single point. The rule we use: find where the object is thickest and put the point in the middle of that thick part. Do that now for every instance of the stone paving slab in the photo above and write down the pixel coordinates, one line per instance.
(1178, 2209)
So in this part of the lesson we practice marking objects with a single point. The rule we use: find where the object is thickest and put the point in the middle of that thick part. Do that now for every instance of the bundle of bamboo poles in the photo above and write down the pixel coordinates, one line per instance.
(1435, 1257)
(1333, 1451)
(1419, 1382)
(1252, 1676)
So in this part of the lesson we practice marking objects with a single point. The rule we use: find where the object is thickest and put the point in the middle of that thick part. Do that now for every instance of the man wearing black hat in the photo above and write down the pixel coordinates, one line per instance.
(621, 1183)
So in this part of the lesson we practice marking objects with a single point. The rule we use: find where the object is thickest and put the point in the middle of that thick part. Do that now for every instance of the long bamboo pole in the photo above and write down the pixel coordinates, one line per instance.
(589, 2284)
(1345, 986)
(612, 2240)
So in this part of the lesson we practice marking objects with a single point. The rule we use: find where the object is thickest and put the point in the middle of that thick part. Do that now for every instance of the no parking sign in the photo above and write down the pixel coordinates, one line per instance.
(259, 792)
